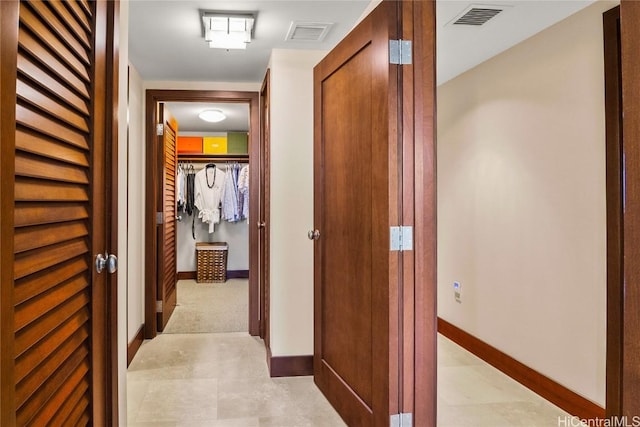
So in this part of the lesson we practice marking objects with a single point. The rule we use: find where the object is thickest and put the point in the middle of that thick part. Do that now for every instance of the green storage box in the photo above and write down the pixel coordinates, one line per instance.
(237, 143)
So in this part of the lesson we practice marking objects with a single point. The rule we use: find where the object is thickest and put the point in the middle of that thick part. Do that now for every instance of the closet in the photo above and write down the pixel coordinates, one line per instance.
(231, 173)
(218, 148)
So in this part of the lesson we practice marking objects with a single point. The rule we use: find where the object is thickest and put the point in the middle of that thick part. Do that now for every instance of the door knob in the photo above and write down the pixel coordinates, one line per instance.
(261, 225)
(313, 234)
(110, 262)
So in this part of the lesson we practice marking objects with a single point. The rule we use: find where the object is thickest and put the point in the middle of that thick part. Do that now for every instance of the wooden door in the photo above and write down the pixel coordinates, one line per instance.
(167, 264)
(374, 160)
(263, 208)
(356, 200)
(57, 65)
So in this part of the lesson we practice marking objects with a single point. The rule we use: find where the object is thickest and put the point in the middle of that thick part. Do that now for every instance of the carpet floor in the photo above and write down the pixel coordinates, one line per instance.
(210, 307)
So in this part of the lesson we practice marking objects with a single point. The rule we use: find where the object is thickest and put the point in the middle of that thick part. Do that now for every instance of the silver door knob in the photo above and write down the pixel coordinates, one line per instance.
(101, 263)
(110, 262)
(313, 234)
(261, 225)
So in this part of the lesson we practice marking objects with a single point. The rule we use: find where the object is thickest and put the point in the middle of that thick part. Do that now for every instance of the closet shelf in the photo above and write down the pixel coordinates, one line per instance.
(213, 157)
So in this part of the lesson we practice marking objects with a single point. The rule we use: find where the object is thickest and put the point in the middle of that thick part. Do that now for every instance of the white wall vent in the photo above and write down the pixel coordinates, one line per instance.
(477, 15)
(308, 31)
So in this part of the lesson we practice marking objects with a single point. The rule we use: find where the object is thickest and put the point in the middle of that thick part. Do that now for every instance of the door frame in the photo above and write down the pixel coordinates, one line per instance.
(613, 118)
(630, 303)
(264, 216)
(152, 98)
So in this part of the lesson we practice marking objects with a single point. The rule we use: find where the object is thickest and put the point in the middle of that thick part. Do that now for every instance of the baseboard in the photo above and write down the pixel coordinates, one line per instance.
(289, 366)
(187, 275)
(231, 274)
(237, 274)
(134, 345)
(555, 393)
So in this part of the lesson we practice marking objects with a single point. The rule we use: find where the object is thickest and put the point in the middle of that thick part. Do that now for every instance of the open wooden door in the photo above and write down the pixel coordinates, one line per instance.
(167, 268)
(356, 200)
(374, 161)
(57, 100)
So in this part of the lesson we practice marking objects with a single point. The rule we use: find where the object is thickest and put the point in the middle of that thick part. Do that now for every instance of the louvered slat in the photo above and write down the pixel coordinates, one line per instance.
(76, 10)
(38, 377)
(85, 6)
(44, 102)
(37, 307)
(38, 121)
(39, 213)
(52, 63)
(36, 284)
(35, 237)
(39, 259)
(69, 374)
(79, 45)
(31, 359)
(30, 190)
(30, 142)
(79, 416)
(39, 167)
(65, 388)
(49, 40)
(29, 69)
(27, 337)
(65, 415)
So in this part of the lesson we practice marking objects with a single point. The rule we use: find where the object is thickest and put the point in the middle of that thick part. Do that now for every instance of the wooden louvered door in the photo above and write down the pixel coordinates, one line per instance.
(167, 267)
(54, 221)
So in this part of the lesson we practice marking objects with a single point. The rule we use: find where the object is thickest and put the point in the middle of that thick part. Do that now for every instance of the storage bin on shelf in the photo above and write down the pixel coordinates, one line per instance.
(211, 262)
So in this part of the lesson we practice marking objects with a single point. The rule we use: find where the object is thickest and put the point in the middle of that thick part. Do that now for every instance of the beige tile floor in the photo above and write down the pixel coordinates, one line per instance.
(473, 393)
(219, 380)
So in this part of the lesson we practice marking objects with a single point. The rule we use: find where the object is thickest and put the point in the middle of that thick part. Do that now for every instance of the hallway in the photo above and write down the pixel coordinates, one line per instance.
(217, 380)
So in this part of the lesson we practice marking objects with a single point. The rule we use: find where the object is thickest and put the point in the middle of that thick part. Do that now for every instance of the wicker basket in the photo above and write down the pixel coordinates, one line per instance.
(212, 262)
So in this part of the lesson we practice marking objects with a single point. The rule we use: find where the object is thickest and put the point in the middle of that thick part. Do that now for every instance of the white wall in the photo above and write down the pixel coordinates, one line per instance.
(521, 202)
(292, 201)
(123, 238)
(135, 193)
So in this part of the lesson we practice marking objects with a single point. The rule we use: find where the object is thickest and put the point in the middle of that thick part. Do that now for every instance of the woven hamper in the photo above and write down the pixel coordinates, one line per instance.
(212, 262)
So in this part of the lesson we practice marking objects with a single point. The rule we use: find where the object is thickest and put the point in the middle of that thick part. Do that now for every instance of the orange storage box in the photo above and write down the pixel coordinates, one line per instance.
(214, 145)
(190, 144)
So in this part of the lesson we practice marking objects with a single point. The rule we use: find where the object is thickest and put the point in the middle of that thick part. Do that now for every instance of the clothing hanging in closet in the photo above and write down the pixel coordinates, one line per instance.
(209, 183)
(235, 205)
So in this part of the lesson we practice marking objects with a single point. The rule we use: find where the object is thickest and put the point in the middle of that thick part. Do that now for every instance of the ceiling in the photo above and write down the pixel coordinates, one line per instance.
(186, 113)
(165, 40)
(461, 47)
(166, 43)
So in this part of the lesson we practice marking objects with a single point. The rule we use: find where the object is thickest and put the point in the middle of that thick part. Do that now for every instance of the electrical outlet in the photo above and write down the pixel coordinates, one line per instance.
(457, 291)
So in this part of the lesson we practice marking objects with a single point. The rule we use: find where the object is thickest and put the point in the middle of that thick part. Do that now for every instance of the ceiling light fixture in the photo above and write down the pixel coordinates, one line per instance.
(212, 116)
(227, 31)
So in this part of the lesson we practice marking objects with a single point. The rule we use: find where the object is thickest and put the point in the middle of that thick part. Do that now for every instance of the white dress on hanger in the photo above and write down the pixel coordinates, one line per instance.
(209, 183)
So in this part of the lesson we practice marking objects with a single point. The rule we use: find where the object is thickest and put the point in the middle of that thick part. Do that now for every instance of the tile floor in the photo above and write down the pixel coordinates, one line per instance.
(220, 380)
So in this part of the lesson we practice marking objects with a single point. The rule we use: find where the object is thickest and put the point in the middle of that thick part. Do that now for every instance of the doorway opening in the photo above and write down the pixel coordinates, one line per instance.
(160, 304)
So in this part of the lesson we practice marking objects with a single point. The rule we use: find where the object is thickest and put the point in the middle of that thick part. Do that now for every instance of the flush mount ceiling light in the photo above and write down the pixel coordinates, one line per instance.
(212, 116)
(227, 30)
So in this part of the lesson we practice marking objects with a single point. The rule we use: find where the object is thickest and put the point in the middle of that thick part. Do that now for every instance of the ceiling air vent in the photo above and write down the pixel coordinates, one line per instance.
(477, 15)
(308, 31)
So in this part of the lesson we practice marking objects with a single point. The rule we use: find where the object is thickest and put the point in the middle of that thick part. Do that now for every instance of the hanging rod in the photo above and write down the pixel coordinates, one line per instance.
(213, 157)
